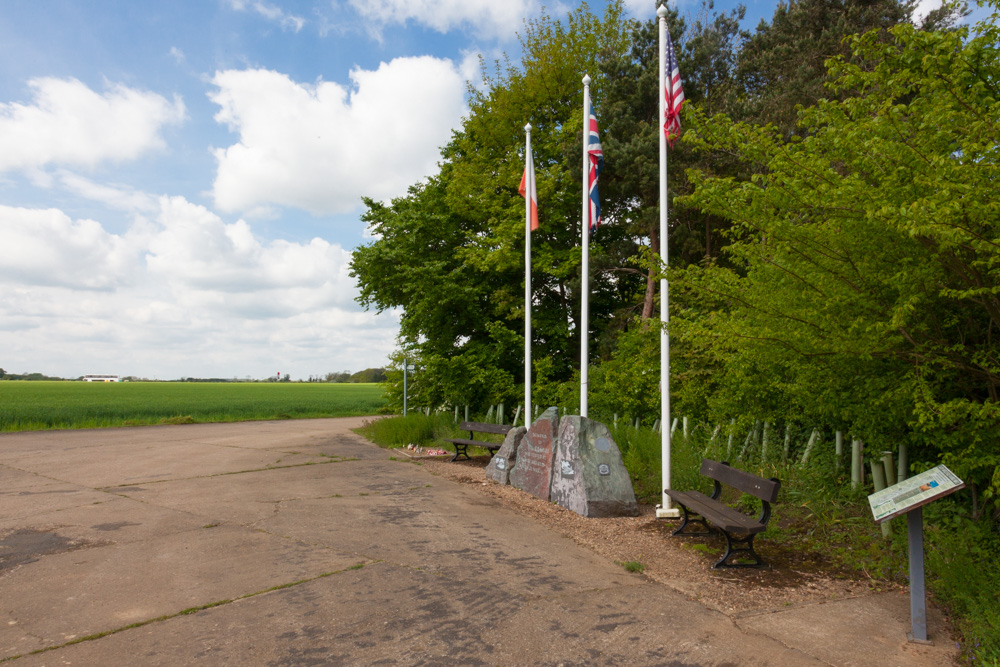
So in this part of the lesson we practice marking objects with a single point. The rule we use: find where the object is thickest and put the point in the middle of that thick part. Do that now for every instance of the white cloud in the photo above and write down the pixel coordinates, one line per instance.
(196, 251)
(182, 293)
(46, 247)
(320, 147)
(488, 17)
(67, 123)
(118, 197)
(641, 9)
(270, 12)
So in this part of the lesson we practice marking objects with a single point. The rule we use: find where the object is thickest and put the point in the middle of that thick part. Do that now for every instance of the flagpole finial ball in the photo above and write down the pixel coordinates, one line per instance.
(661, 11)
(586, 79)
(527, 128)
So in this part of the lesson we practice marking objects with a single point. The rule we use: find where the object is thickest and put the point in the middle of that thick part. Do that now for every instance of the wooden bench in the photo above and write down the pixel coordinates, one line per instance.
(462, 444)
(738, 528)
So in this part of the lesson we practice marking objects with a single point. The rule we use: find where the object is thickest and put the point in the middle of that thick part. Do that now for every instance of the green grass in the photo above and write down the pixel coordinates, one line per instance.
(633, 566)
(415, 428)
(421, 430)
(38, 406)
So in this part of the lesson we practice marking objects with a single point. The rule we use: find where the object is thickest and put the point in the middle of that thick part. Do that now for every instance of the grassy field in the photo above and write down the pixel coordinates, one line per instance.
(36, 406)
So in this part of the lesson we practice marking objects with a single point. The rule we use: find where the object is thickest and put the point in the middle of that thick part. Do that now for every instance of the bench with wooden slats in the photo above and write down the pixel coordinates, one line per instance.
(738, 528)
(462, 444)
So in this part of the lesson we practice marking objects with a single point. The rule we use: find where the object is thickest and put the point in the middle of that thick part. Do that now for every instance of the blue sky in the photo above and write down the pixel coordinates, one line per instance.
(180, 181)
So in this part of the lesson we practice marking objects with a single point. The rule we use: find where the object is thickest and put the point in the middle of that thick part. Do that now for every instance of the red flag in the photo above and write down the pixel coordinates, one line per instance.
(528, 186)
(674, 94)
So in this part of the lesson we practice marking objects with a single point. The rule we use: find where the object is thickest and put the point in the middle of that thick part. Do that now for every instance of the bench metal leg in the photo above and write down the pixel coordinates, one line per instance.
(689, 517)
(460, 450)
(734, 551)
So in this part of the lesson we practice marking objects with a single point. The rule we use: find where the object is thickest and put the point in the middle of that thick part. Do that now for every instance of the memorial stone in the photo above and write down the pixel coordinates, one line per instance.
(532, 471)
(500, 465)
(589, 476)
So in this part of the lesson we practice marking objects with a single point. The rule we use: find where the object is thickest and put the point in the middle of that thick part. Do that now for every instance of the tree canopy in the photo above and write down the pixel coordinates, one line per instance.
(864, 253)
(832, 235)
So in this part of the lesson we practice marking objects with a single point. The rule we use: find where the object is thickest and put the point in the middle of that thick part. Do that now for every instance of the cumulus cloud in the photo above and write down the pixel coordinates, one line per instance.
(46, 247)
(181, 293)
(488, 17)
(67, 123)
(270, 12)
(196, 250)
(320, 147)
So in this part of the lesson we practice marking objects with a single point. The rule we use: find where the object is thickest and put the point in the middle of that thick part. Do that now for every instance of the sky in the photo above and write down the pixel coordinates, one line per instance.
(181, 182)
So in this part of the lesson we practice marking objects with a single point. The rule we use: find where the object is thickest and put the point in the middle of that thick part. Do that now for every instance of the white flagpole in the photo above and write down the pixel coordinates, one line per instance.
(664, 510)
(528, 159)
(585, 262)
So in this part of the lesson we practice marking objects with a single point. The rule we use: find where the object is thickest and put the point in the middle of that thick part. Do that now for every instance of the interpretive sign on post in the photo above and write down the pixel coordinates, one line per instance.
(909, 497)
(914, 492)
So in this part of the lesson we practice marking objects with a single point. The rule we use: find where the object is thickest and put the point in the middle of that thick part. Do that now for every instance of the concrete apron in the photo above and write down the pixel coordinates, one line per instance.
(297, 542)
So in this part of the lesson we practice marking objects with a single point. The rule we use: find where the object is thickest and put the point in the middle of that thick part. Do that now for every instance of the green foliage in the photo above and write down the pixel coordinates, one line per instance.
(35, 406)
(782, 65)
(865, 254)
(628, 384)
(369, 375)
(31, 377)
(633, 566)
(451, 253)
(962, 556)
(415, 428)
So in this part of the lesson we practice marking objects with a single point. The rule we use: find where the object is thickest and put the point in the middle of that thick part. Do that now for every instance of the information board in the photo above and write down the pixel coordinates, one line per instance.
(914, 492)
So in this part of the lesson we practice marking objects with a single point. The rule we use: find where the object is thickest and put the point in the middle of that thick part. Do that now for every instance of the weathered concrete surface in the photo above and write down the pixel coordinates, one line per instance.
(298, 543)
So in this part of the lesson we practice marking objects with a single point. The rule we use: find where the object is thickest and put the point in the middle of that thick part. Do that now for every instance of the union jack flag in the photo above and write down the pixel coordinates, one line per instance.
(596, 155)
(674, 94)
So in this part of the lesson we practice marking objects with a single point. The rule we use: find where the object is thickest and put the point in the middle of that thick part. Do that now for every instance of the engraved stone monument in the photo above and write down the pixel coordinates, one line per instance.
(588, 475)
(533, 470)
(500, 465)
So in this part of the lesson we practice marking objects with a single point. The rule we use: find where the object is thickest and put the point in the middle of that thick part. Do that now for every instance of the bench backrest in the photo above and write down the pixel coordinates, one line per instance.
(480, 427)
(765, 489)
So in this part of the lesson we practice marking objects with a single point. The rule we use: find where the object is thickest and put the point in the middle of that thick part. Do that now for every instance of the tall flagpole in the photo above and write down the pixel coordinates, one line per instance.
(664, 510)
(585, 261)
(528, 159)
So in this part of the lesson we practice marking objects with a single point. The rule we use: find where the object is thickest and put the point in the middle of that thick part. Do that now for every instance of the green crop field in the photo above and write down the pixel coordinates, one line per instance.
(35, 406)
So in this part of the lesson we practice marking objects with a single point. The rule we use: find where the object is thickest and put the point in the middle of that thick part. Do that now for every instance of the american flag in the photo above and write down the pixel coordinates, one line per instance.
(596, 155)
(674, 94)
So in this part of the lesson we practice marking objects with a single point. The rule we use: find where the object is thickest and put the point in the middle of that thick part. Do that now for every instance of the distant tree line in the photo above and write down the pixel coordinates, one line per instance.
(367, 375)
(26, 376)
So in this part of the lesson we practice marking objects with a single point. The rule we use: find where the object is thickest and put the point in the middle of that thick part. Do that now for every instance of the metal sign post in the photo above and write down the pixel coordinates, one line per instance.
(406, 367)
(908, 497)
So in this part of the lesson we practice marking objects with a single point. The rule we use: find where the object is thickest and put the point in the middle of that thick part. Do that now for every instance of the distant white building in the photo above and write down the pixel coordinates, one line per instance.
(101, 378)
